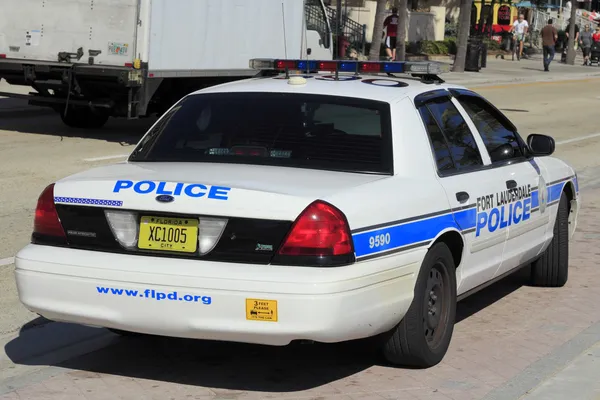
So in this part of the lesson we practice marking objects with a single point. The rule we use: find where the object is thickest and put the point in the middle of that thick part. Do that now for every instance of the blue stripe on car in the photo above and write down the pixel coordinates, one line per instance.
(383, 239)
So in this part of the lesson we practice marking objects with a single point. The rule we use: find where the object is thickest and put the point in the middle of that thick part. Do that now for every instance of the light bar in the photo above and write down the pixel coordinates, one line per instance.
(392, 67)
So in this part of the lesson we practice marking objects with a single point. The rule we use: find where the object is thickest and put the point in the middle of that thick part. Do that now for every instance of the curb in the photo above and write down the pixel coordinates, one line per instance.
(546, 367)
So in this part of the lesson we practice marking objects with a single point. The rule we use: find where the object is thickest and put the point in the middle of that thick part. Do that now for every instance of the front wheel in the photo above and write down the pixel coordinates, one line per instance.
(552, 268)
(422, 338)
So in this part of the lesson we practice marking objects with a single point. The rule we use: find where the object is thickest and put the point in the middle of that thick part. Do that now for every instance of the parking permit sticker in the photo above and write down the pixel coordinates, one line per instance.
(261, 310)
(118, 49)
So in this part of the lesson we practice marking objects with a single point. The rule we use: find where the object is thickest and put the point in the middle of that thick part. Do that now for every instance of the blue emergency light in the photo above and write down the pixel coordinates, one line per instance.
(373, 67)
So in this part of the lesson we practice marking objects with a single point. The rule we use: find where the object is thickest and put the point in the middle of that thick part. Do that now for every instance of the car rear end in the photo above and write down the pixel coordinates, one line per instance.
(220, 226)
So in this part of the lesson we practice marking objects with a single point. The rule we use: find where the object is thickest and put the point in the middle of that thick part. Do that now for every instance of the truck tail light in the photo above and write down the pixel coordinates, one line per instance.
(320, 236)
(47, 223)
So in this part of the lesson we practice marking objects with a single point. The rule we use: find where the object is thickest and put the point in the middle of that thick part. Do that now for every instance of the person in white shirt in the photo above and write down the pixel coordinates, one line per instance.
(520, 28)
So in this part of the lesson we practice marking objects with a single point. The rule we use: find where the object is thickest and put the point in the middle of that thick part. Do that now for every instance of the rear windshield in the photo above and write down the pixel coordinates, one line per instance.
(291, 130)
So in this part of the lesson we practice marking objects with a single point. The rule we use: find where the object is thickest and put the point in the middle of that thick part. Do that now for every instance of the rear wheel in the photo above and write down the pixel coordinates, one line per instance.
(84, 117)
(422, 338)
(552, 269)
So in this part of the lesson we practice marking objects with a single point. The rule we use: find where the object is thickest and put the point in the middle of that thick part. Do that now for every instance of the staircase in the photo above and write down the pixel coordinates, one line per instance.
(354, 32)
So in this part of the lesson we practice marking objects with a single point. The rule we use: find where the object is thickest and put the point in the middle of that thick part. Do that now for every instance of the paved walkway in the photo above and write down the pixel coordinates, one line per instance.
(503, 72)
(510, 339)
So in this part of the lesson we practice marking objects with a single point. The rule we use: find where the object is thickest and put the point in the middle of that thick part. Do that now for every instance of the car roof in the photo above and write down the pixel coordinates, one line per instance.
(376, 87)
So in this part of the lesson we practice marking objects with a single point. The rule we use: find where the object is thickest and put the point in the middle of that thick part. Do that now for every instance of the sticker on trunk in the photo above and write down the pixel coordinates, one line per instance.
(118, 49)
(261, 310)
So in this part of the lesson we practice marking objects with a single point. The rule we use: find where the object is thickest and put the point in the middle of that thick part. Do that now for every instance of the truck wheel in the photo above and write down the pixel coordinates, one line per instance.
(552, 268)
(422, 338)
(79, 117)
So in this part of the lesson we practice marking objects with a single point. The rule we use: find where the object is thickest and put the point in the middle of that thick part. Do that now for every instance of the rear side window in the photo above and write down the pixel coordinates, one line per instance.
(438, 142)
(293, 130)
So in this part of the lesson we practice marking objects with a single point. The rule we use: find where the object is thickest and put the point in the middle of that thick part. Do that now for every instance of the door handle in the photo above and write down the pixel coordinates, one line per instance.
(511, 184)
(462, 196)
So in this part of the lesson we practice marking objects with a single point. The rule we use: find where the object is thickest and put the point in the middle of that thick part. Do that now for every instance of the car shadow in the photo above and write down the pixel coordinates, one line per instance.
(491, 294)
(44, 122)
(226, 365)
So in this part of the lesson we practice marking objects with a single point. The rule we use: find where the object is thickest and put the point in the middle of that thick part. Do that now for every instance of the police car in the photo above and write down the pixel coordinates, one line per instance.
(318, 201)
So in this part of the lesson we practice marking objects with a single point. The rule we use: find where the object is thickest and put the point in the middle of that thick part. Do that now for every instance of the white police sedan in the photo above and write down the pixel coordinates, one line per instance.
(321, 201)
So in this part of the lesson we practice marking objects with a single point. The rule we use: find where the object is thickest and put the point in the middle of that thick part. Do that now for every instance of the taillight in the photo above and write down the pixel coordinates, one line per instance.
(46, 222)
(319, 236)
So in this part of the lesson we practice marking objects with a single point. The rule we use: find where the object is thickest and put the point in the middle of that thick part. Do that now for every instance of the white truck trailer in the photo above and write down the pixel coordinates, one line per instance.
(95, 59)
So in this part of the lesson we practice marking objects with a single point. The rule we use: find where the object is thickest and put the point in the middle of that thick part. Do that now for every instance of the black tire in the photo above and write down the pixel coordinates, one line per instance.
(85, 118)
(552, 268)
(407, 344)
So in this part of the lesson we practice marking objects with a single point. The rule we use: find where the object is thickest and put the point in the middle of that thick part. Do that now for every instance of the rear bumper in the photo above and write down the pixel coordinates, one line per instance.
(207, 300)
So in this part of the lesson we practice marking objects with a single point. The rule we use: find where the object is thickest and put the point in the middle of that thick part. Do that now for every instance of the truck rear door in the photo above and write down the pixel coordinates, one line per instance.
(45, 30)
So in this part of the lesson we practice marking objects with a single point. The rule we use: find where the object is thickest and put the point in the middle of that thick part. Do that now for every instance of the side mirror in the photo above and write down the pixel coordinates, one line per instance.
(502, 152)
(540, 145)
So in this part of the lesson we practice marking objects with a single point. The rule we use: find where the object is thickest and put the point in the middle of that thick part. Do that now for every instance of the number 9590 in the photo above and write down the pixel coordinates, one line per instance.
(379, 240)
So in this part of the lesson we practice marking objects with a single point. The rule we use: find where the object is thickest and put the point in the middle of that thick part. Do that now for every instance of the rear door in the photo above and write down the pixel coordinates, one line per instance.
(45, 29)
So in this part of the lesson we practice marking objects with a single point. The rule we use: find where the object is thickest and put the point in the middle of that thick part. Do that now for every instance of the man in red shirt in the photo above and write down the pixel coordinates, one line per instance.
(391, 26)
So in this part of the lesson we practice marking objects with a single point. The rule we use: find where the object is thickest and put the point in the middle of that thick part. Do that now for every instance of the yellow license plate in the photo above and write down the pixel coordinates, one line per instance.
(261, 310)
(168, 234)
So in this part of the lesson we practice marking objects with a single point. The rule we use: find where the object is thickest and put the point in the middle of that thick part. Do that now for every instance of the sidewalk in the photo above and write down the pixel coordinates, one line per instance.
(502, 72)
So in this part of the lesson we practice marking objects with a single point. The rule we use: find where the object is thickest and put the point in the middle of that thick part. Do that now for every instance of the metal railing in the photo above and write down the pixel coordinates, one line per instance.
(540, 19)
(316, 19)
(354, 32)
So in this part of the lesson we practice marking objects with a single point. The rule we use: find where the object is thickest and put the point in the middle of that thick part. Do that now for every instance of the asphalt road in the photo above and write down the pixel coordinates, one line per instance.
(36, 150)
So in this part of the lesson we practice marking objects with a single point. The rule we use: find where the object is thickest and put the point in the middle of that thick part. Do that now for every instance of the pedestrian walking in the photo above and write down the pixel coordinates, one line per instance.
(390, 25)
(585, 41)
(549, 38)
(566, 40)
(519, 30)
